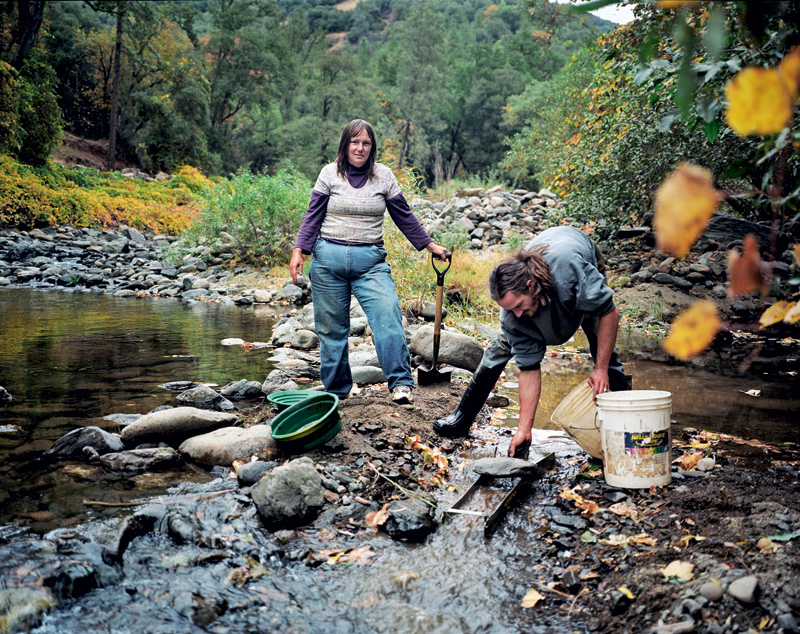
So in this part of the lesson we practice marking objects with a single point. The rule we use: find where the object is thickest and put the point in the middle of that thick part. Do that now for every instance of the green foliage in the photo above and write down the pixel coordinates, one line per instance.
(257, 214)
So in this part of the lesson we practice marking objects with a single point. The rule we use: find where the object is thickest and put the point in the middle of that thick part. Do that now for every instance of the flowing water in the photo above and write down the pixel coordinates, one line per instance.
(69, 359)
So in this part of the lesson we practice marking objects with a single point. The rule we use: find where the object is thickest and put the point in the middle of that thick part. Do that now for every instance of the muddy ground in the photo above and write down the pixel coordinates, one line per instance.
(607, 549)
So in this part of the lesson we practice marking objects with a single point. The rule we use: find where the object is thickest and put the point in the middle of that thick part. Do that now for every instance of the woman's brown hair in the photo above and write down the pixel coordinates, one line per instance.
(354, 128)
(524, 273)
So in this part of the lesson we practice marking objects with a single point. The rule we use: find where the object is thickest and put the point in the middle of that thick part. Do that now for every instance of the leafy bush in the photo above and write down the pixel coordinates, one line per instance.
(257, 214)
(54, 195)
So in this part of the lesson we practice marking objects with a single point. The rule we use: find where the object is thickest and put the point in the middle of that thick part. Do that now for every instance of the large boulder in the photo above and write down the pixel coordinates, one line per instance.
(226, 445)
(290, 496)
(175, 425)
(455, 349)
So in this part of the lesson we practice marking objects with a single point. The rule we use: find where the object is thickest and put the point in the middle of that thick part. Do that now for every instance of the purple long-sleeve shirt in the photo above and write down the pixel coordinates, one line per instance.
(398, 208)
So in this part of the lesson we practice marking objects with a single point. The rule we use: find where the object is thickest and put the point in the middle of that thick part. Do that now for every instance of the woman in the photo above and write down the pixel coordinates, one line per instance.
(343, 228)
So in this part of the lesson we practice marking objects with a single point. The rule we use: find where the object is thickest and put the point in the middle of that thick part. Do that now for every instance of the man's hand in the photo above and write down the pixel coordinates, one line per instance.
(520, 444)
(598, 379)
(296, 264)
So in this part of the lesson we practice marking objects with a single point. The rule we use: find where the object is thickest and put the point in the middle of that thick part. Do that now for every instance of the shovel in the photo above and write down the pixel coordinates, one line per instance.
(428, 376)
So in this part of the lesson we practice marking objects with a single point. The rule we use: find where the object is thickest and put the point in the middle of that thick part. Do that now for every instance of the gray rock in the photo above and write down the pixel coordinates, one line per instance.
(711, 591)
(304, 340)
(71, 445)
(251, 472)
(455, 349)
(409, 520)
(745, 589)
(203, 397)
(664, 278)
(291, 293)
(228, 444)
(5, 397)
(366, 375)
(278, 381)
(175, 425)
(428, 312)
(504, 467)
(291, 496)
(140, 460)
(242, 390)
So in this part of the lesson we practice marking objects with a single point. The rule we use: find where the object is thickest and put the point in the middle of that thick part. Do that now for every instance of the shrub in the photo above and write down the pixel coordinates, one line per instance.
(258, 214)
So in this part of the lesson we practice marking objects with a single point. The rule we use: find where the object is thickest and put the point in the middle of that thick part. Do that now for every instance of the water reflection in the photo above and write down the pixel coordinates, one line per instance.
(69, 359)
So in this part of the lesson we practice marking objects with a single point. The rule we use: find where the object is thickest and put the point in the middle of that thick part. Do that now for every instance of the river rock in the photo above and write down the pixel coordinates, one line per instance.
(175, 425)
(745, 589)
(290, 496)
(140, 460)
(428, 312)
(251, 472)
(303, 339)
(5, 397)
(366, 375)
(224, 446)
(203, 397)
(409, 520)
(71, 445)
(140, 523)
(504, 467)
(455, 349)
(711, 591)
(242, 390)
(278, 381)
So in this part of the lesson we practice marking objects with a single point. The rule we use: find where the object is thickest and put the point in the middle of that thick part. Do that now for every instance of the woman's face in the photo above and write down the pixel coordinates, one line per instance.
(359, 149)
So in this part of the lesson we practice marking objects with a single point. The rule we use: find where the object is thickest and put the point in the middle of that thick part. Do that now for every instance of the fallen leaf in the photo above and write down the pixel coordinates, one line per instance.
(693, 330)
(588, 538)
(796, 253)
(588, 507)
(784, 537)
(624, 510)
(627, 593)
(684, 204)
(774, 314)
(767, 546)
(745, 270)
(359, 555)
(680, 569)
(615, 540)
(751, 392)
(531, 599)
(688, 461)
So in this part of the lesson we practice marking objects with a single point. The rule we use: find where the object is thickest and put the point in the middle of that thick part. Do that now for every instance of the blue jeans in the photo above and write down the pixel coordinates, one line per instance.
(336, 271)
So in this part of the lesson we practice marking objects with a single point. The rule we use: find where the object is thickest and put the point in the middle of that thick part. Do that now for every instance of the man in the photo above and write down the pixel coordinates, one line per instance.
(546, 291)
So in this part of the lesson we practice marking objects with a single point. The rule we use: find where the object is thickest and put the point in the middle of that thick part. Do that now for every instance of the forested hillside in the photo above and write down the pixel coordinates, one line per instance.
(222, 84)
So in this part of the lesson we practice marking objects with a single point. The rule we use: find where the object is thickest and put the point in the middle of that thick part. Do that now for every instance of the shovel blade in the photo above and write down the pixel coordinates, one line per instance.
(429, 376)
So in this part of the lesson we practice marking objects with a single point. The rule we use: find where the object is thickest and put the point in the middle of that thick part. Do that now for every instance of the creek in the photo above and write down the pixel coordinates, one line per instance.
(69, 359)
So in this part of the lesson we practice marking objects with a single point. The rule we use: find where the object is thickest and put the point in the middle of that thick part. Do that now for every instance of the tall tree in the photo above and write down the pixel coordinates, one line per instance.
(31, 13)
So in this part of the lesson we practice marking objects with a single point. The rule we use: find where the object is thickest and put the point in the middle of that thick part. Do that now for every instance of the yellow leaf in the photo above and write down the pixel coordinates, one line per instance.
(767, 546)
(761, 100)
(589, 508)
(774, 313)
(684, 204)
(796, 253)
(688, 461)
(644, 540)
(531, 599)
(792, 315)
(681, 569)
(626, 592)
(693, 330)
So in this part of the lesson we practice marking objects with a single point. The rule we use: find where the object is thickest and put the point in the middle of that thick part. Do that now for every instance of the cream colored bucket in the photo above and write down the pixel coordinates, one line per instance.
(636, 440)
(576, 416)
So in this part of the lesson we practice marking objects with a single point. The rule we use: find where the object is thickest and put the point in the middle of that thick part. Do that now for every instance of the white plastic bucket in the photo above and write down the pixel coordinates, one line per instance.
(576, 415)
(636, 440)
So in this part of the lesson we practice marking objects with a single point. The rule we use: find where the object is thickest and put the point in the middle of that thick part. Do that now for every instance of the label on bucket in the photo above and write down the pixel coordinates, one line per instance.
(646, 443)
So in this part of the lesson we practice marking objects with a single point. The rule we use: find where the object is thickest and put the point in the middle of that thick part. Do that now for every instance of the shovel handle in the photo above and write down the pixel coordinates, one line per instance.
(440, 273)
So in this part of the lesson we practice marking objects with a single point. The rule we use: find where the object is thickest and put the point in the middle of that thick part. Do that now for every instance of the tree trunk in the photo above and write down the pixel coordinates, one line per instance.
(31, 13)
(112, 133)
(404, 146)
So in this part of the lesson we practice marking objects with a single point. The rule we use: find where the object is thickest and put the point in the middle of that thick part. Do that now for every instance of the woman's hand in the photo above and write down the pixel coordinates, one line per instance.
(296, 264)
(439, 252)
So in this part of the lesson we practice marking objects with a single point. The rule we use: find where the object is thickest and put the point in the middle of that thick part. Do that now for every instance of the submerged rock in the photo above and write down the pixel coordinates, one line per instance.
(71, 445)
(138, 460)
(409, 520)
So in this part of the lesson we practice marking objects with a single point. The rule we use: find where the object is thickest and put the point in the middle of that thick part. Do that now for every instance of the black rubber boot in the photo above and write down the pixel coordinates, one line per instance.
(478, 390)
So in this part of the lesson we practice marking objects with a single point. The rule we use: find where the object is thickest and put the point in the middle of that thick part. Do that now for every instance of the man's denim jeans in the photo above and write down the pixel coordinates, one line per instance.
(336, 270)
